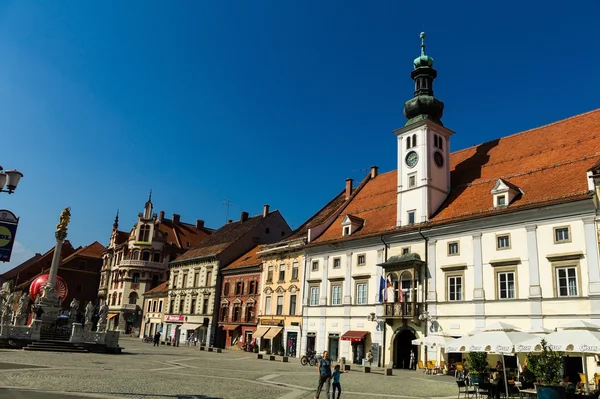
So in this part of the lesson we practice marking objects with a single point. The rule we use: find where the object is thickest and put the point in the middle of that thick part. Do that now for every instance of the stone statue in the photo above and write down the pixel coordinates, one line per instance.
(89, 313)
(7, 309)
(102, 317)
(21, 315)
(65, 218)
(74, 308)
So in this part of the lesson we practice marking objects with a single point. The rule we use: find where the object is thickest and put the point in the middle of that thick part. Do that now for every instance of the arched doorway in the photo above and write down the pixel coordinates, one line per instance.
(402, 347)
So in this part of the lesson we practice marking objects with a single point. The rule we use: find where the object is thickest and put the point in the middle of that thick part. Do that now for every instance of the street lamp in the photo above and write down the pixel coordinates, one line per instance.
(10, 178)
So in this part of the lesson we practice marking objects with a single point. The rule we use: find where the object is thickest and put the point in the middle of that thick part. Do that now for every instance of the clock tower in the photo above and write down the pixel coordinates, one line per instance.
(423, 149)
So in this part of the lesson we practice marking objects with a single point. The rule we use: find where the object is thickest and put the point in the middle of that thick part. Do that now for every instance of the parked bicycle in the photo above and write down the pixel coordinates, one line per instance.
(147, 339)
(310, 358)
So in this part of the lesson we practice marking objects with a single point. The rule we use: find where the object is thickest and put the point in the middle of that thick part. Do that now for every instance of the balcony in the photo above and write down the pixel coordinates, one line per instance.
(402, 310)
(142, 263)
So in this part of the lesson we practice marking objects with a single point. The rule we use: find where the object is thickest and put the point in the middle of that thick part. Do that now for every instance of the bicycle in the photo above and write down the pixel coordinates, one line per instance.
(310, 358)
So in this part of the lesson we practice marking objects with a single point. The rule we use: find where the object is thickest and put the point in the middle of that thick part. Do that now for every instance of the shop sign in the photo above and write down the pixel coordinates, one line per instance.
(175, 318)
(8, 230)
(271, 322)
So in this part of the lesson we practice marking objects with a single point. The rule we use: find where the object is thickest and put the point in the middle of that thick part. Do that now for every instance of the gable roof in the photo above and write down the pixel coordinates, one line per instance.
(225, 236)
(162, 288)
(320, 217)
(94, 250)
(548, 164)
(180, 234)
(250, 258)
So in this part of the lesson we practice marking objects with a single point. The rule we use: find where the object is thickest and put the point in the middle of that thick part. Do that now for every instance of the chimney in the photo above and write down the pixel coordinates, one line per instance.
(199, 224)
(244, 217)
(229, 221)
(374, 170)
(265, 210)
(176, 218)
(161, 216)
(348, 187)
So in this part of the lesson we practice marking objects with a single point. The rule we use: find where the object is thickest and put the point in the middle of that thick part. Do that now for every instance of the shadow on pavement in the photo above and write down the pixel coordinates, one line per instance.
(7, 393)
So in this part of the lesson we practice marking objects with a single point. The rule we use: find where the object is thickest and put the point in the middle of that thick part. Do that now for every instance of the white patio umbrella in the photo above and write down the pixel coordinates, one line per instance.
(499, 338)
(437, 339)
(539, 331)
(578, 337)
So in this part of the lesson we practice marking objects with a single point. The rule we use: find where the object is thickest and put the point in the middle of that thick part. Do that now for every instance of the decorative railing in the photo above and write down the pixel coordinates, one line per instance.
(402, 309)
(142, 263)
(15, 332)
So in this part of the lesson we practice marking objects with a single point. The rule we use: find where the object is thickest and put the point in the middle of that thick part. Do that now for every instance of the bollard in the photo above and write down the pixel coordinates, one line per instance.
(259, 356)
(346, 367)
(285, 359)
(202, 347)
(367, 369)
(271, 357)
(388, 372)
(219, 350)
(210, 348)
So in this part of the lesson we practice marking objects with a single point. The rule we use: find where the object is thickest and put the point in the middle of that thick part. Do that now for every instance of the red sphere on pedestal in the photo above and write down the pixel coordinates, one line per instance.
(38, 283)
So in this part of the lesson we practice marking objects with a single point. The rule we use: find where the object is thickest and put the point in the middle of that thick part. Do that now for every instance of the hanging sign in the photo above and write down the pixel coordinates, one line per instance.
(8, 230)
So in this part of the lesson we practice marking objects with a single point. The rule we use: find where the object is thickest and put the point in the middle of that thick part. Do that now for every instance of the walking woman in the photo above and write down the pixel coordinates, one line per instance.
(324, 374)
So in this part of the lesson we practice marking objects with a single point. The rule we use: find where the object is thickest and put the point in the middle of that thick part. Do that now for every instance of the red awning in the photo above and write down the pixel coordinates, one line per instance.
(354, 336)
(229, 327)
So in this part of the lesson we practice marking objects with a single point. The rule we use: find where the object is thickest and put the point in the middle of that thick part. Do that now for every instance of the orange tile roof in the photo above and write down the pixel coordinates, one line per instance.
(94, 250)
(180, 234)
(250, 258)
(162, 288)
(319, 217)
(548, 164)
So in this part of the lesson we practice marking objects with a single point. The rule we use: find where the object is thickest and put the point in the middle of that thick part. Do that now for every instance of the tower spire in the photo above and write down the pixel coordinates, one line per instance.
(150, 196)
(116, 223)
(423, 105)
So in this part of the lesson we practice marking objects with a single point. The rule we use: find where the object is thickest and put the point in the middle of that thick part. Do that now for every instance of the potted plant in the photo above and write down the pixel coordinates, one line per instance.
(546, 366)
(477, 365)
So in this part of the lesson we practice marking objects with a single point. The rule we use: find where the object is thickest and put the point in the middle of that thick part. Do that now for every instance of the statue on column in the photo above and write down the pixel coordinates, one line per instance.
(73, 308)
(89, 314)
(65, 219)
(102, 317)
(21, 315)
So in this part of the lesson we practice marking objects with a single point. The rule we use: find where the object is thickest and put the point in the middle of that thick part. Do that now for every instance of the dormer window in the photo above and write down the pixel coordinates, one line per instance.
(144, 233)
(351, 224)
(504, 193)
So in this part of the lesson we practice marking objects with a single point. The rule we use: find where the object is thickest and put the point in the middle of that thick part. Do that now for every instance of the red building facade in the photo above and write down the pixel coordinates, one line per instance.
(240, 290)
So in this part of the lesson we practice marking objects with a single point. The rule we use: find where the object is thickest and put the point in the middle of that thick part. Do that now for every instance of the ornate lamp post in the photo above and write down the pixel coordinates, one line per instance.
(10, 179)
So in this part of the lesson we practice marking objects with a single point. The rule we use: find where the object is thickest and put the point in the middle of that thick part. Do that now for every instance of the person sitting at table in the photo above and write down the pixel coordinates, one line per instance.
(499, 366)
(451, 366)
(569, 386)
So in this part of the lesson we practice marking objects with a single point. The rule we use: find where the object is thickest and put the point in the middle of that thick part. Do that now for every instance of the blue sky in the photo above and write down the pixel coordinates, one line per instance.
(258, 102)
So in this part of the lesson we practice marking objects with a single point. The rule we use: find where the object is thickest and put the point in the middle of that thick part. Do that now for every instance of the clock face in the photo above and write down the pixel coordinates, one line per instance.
(438, 158)
(411, 159)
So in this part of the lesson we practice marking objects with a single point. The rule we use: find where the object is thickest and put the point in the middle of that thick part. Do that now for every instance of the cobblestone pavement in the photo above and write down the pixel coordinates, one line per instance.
(147, 372)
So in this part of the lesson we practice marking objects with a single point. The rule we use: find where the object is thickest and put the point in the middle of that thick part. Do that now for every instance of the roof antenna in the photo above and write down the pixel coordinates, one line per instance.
(227, 203)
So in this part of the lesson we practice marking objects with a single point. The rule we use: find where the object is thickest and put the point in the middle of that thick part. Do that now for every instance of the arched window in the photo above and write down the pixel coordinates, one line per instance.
(136, 255)
(408, 142)
(226, 289)
(133, 298)
(406, 285)
(144, 233)
(441, 143)
(224, 312)
(146, 255)
(414, 140)
(156, 257)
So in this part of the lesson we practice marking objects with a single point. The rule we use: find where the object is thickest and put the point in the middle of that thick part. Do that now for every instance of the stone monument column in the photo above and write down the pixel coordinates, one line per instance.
(48, 299)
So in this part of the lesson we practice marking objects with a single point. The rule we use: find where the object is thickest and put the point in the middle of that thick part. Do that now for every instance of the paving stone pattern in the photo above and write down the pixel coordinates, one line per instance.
(148, 372)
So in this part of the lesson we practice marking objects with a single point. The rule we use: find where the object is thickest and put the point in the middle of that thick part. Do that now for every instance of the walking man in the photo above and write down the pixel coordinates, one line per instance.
(324, 375)
(156, 338)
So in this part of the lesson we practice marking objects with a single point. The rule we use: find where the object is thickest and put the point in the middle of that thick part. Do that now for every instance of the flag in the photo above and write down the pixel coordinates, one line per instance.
(381, 289)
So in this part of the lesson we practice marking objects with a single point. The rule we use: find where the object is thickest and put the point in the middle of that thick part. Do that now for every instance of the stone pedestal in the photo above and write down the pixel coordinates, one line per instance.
(35, 328)
(76, 332)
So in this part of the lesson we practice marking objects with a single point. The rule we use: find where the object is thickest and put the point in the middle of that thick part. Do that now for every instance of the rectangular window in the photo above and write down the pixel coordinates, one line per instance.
(208, 279)
(185, 277)
(455, 288)
(336, 294)
(171, 307)
(292, 305)
(153, 306)
(453, 248)
(405, 251)
(346, 230)
(252, 288)
(268, 306)
(561, 234)
(361, 293)
(239, 288)
(361, 260)
(337, 263)
(501, 200)
(149, 306)
(411, 217)
(205, 306)
(503, 241)
(270, 274)
(315, 266)
(295, 271)
(282, 272)
(193, 307)
(314, 296)
(196, 279)
(412, 180)
(160, 306)
(279, 305)
(506, 285)
(566, 281)
(181, 305)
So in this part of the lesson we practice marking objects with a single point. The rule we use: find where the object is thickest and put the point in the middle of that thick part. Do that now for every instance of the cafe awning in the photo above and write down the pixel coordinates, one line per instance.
(189, 326)
(273, 332)
(260, 331)
(230, 327)
(354, 336)
(111, 315)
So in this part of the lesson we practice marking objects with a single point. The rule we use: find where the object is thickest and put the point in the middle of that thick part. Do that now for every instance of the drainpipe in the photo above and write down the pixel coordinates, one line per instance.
(426, 284)
(303, 293)
(385, 258)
